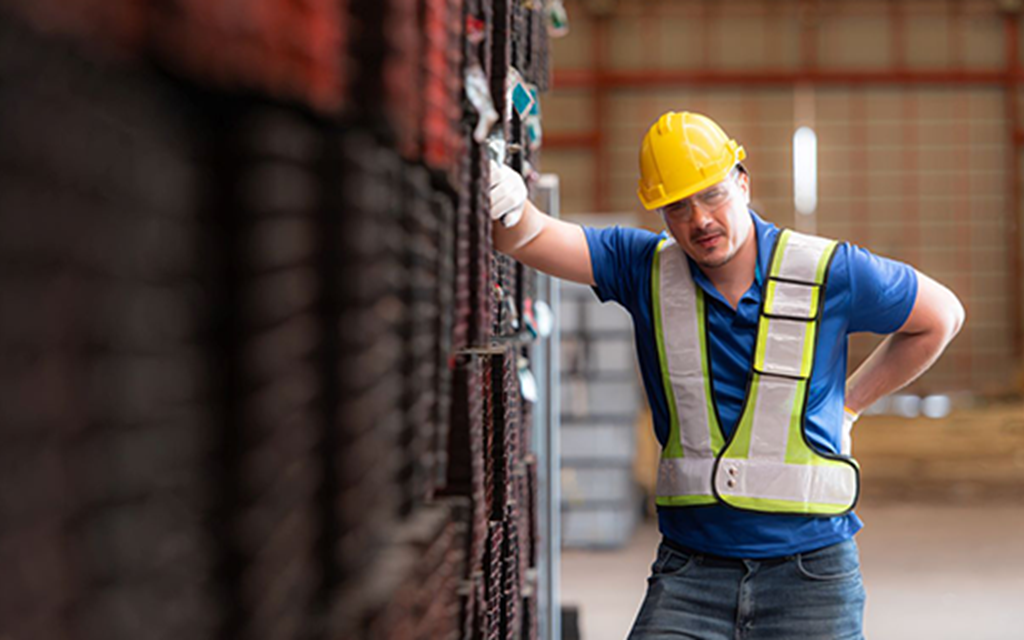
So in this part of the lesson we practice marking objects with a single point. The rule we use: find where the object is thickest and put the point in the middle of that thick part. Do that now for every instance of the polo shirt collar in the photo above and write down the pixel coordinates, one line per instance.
(764, 233)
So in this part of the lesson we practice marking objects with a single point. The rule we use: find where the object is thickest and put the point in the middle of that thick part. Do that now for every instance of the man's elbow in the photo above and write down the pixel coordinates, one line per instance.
(957, 316)
(937, 312)
(950, 317)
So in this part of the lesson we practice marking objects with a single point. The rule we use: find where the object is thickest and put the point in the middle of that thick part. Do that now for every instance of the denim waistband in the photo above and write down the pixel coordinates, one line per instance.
(711, 560)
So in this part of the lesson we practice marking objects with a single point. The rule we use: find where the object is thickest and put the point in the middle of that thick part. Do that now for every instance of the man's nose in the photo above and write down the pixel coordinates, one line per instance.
(701, 218)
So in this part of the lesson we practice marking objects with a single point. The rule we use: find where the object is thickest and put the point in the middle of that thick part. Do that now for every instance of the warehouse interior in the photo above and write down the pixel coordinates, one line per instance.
(916, 110)
(264, 375)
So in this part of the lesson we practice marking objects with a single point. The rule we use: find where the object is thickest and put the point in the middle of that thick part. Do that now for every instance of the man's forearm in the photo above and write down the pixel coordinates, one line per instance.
(508, 240)
(897, 362)
(934, 321)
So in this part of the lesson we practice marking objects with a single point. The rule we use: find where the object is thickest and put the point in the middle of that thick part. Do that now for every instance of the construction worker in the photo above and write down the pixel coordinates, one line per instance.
(741, 334)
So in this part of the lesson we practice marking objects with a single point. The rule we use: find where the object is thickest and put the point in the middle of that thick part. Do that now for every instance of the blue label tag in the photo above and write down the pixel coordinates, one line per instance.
(521, 99)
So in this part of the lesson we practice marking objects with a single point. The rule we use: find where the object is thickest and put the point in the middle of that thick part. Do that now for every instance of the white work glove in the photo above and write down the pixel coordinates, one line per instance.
(508, 194)
(849, 417)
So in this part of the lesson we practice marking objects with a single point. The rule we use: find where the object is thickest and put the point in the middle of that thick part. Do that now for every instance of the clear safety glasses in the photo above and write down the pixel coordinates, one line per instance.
(710, 199)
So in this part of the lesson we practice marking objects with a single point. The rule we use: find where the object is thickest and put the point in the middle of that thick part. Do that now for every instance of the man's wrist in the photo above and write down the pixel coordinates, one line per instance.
(510, 239)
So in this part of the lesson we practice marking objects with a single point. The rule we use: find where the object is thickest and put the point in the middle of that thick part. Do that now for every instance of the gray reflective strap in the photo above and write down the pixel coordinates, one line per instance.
(681, 333)
(801, 258)
(785, 344)
(791, 299)
(832, 484)
(773, 410)
(685, 476)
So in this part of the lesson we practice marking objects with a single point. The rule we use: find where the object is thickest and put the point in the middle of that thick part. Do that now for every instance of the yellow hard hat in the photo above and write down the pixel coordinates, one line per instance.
(682, 154)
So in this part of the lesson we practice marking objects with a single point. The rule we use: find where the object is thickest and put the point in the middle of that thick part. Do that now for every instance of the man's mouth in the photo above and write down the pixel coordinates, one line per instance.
(706, 242)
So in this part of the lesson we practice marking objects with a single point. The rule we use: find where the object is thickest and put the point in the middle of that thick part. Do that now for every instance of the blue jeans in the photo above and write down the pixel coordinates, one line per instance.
(813, 595)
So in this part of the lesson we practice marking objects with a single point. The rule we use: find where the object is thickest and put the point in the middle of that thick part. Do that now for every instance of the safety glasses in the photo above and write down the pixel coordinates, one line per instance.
(710, 199)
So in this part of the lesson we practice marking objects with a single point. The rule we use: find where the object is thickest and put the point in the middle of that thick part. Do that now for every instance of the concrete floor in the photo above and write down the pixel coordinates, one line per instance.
(932, 572)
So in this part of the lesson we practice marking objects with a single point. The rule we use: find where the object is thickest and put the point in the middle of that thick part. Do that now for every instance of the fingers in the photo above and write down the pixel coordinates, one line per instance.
(508, 194)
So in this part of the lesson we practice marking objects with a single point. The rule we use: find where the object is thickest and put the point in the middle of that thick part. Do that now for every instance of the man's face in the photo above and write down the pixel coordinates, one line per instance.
(712, 224)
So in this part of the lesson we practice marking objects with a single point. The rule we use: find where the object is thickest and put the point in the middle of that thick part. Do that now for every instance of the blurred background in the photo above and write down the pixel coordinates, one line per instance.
(911, 147)
(262, 375)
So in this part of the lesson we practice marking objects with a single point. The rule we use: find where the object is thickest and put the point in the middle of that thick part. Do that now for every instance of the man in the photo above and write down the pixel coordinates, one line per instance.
(741, 333)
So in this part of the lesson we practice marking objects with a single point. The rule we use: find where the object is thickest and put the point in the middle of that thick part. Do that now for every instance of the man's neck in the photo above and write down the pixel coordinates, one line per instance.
(734, 278)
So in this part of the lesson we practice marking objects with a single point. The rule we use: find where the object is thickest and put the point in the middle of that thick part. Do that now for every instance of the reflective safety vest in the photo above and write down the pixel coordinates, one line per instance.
(768, 465)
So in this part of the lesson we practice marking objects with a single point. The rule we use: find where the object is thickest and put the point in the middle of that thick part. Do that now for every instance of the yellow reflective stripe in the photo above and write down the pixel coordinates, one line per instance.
(739, 447)
(769, 297)
(787, 506)
(717, 440)
(779, 250)
(815, 296)
(819, 273)
(761, 344)
(810, 334)
(673, 447)
(684, 501)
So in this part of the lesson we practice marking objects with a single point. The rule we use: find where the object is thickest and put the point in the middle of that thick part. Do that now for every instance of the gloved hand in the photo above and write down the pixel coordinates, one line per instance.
(508, 194)
(849, 417)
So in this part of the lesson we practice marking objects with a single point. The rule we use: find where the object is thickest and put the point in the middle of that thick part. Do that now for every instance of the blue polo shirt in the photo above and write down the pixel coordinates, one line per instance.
(864, 292)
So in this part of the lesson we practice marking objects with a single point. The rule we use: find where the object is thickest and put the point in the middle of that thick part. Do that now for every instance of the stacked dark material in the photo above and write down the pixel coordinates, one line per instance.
(258, 358)
(363, 259)
(442, 29)
(419, 339)
(105, 437)
(264, 199)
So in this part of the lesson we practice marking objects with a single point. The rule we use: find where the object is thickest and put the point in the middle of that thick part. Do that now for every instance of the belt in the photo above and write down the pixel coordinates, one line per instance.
(711, 560)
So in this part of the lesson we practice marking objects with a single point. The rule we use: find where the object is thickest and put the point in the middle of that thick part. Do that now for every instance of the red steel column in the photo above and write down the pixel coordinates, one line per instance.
(963, 240)
(599, 44)
(1013, 237)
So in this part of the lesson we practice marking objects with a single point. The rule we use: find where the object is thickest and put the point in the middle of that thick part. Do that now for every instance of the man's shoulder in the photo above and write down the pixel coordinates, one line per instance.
(626, 243)
(621, 258)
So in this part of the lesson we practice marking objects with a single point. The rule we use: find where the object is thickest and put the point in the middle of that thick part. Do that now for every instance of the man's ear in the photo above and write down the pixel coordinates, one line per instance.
(744, 181)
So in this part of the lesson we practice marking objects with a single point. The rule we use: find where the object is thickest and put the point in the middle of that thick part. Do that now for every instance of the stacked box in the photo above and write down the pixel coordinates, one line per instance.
(600, 399)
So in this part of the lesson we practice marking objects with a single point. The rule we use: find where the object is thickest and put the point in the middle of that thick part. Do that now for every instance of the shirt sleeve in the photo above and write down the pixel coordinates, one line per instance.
(617, 256)
(882, 291)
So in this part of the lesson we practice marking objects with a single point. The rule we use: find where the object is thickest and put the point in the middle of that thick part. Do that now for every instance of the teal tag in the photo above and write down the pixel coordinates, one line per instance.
(522, 100)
